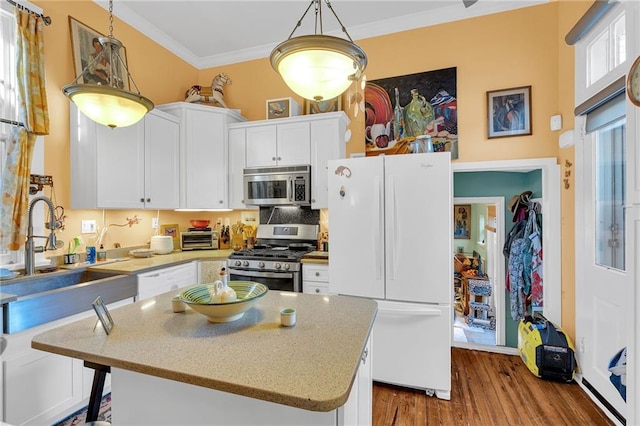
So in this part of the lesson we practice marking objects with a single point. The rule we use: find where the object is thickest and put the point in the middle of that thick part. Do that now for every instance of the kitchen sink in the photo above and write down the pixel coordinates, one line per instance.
(42, 298)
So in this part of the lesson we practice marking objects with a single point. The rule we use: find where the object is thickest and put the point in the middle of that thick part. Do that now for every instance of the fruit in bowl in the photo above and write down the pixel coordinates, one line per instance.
(199, 298)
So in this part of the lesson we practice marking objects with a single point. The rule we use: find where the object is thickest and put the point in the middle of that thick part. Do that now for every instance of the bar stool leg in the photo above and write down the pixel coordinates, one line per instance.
(97, 388)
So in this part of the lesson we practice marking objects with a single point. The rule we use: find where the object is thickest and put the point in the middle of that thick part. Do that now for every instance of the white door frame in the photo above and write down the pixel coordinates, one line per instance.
(499, 297)
(551, 230)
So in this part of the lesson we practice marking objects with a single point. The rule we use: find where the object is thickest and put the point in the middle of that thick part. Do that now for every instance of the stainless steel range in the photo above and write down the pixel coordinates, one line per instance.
(275, 259)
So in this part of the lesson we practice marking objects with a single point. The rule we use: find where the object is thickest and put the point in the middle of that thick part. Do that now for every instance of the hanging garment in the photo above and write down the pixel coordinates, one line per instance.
(533, 273)
(516, 278)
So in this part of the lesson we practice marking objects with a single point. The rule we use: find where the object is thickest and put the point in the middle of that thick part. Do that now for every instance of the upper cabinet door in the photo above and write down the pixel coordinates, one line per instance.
(205, 163)
(261, 146)
(120, 167)
(162, 161)
(293, 144)
(327, 143)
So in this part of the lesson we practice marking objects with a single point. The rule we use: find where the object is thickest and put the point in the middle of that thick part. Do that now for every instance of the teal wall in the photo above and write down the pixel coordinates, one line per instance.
(506, 185)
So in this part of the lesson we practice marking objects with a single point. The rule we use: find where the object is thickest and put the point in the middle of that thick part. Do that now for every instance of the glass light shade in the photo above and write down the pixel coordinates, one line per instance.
(318, 67)
(107, 105)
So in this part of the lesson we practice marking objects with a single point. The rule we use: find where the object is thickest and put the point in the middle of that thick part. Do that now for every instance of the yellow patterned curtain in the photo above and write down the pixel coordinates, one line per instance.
(33, 112)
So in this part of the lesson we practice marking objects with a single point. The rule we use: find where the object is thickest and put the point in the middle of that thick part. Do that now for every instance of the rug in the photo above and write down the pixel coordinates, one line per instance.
(80, 416)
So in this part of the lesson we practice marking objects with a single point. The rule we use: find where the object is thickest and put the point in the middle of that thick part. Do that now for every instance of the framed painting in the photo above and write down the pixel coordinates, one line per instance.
(399, 109)
(509, 112)
(173, 231)
(462, 221)
(282, 108)
(318, 107)
(85, 47)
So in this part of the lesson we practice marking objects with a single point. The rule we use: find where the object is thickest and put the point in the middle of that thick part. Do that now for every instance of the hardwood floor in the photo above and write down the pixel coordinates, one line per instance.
(488, 389)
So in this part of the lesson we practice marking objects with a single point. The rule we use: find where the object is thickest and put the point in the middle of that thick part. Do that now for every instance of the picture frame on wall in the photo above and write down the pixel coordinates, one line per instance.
(509, 112)
(319, 107)
(85, 46)
(462, 221)
(282, 108)
(173, 231)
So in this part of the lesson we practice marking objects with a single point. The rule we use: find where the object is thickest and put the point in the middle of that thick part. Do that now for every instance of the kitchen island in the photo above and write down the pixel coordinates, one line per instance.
(177, 368)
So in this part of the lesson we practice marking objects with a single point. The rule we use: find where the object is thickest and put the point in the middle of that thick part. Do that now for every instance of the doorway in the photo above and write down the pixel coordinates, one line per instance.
(480, 256)
(504, 179)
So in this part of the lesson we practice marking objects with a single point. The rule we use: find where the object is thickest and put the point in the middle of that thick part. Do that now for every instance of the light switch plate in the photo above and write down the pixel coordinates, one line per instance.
(555, 122)
(88, 226)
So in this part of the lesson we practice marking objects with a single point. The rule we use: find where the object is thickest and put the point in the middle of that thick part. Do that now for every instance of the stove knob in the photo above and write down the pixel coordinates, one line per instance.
(260, 264)
(286, 266)
(245, 263)
(237, 263)
(278, 266)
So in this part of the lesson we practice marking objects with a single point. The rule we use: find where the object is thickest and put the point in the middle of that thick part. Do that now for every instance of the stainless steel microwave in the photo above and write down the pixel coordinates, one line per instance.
(277, 186)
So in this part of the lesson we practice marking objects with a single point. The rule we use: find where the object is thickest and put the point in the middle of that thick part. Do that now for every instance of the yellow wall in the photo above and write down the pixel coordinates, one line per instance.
(511, 49)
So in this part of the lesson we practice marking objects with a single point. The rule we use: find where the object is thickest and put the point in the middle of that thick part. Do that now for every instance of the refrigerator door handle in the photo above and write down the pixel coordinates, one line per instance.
(391, 190)
(412, 312)
(377, 196)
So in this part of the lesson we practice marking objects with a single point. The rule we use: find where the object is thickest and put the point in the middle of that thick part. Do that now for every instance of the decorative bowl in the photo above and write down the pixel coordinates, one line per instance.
(199, 299)
(199, 224)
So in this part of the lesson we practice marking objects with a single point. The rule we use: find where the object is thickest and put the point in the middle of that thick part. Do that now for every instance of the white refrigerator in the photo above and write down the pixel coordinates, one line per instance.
(390, 222)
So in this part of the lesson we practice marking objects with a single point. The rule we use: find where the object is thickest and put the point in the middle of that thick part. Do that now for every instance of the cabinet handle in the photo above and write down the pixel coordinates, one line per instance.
(317, 290)
(273, 158)
(279, 158)
(313, 200)
(221, 201)
(364, 355)
(317, 274)
(148, 200)
(142, 200)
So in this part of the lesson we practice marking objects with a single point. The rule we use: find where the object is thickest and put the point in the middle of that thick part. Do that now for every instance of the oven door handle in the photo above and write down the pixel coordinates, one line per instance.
(262, 274)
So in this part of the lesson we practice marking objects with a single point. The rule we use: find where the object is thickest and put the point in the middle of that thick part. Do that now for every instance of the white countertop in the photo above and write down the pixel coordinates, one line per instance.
(311, 365)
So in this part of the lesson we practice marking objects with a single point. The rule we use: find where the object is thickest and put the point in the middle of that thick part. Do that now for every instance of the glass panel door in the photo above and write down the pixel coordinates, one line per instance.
(609, 195)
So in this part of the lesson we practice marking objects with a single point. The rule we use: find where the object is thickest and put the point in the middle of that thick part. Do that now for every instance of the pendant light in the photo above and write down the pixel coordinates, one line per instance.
(110, 104)
(318, 67)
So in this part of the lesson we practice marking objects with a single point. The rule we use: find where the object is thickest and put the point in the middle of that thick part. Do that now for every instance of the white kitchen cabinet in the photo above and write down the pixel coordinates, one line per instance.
(315, 278)
(40, 387)
(167, 279)
(311, 139)
(327, 143)
(203, 153)
(281, 144)
(358, 410)
(237, 163)
(125, 168)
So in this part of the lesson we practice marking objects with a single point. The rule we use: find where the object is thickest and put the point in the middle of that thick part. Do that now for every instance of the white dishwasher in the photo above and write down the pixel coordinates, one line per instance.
(167, 279)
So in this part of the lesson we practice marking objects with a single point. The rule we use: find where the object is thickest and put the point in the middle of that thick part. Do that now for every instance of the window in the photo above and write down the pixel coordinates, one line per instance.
(9, 110)
(8, 95)
(610, 195)
(601, 55)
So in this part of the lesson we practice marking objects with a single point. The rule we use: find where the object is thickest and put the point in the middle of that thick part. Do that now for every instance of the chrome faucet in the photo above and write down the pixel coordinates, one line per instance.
(29, 249)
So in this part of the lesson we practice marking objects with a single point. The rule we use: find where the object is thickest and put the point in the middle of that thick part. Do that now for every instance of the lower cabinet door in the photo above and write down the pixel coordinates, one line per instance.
(39, 385)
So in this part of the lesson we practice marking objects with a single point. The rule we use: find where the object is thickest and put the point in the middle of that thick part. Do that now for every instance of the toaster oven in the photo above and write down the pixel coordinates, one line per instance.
(199, 240)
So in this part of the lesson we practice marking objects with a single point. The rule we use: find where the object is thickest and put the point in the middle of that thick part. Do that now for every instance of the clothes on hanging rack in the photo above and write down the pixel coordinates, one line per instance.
(523, 254)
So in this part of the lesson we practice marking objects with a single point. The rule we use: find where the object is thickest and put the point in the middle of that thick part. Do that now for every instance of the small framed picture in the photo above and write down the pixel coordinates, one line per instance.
(462, 221)
(173, 231)
(317, 107)
(85, 47)
(103, 314)
(509, 112)
(281, 108)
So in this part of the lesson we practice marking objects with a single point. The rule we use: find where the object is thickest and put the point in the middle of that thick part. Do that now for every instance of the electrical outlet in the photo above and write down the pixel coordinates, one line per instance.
(88, 226)
(154, 223)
